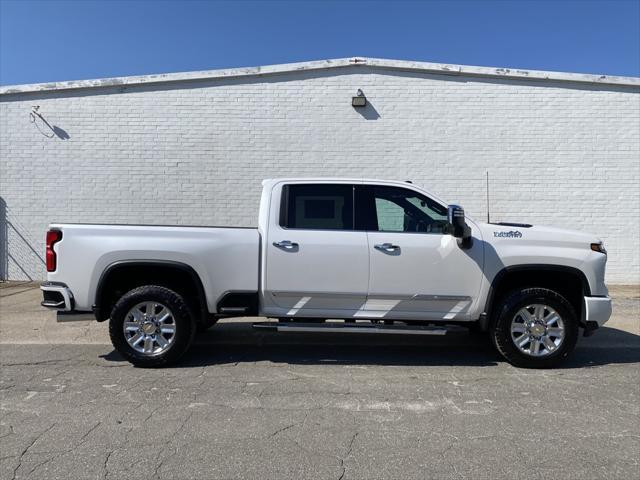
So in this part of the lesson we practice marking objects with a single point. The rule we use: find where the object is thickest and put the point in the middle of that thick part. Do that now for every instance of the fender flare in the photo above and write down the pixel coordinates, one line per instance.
(491, 297)
(98, 308)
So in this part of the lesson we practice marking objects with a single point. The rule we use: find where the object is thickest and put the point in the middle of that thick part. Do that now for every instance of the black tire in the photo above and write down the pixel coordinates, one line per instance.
(507, 310)
(205, 324)
(185, 325)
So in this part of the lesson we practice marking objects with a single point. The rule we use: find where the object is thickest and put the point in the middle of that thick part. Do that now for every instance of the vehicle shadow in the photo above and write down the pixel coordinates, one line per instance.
(607, 346)
(233, 343)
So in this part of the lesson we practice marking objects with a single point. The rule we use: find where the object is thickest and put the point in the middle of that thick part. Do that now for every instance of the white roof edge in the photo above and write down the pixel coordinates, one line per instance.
(406, 65)
(270, 182)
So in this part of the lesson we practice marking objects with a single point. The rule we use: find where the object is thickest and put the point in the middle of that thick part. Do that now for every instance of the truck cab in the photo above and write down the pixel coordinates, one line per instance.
(369, 250)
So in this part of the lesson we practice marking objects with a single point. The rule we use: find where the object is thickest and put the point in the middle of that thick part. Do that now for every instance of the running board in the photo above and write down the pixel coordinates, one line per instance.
(349, 328)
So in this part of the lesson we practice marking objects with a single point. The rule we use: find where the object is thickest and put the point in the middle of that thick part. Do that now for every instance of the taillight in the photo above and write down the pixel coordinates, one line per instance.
(53, 236)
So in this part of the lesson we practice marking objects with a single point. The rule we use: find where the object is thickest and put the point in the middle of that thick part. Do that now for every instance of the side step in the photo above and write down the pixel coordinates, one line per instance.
(335, 327)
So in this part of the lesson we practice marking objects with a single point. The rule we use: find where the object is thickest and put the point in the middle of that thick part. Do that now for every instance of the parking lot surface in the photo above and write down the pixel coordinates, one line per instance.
(248, 404)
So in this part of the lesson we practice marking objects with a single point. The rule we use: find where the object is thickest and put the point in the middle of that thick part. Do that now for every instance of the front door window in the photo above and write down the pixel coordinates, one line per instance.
(403, 210)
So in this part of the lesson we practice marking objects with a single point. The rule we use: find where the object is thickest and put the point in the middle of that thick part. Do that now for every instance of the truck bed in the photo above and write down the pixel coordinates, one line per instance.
(225, 258)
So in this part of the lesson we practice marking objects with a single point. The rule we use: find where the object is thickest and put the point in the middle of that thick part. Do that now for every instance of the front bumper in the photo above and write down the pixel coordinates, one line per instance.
(597, 310)
(57, 295)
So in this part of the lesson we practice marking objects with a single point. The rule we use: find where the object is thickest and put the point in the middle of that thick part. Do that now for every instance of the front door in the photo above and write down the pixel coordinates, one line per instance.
(317, 264)
(416, 270)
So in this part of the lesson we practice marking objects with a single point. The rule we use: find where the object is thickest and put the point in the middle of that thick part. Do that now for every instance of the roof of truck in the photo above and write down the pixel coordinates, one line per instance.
(335, 179)
(270, 182)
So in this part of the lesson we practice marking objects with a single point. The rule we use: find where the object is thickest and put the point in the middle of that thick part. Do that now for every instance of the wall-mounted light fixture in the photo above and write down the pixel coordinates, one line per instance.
(359, 100)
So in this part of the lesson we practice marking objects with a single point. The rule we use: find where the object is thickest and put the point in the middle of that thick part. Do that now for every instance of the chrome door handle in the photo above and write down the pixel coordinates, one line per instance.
(387, 247)
(286, 244)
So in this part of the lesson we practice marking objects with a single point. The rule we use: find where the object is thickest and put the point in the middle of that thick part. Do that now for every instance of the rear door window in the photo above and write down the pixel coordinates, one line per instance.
(317, 207)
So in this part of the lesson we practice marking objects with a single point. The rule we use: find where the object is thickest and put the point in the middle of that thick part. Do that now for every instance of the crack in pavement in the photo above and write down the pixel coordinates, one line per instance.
(105, 467)
(24, 452)
(82, 439)
(346, 455)
(446, 460)
(41, 362)
(162, 458)
(280, 430)
(40, 465)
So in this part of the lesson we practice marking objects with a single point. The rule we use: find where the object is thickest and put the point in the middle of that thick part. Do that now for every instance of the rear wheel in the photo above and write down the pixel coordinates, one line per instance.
(151, 326)
(535, 328)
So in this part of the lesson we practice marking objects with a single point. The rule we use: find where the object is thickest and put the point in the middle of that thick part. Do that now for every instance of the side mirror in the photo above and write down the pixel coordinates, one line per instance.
(457, 225)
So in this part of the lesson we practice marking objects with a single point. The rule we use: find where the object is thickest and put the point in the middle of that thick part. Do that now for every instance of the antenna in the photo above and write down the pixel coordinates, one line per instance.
(488, 217)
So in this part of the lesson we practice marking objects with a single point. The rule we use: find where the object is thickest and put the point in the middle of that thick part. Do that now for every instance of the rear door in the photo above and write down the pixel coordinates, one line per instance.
(317, 264)
(416, 269)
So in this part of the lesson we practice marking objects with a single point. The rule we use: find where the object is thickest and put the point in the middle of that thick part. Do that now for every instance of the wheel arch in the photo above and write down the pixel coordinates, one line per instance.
(129, 274)
(570, 282)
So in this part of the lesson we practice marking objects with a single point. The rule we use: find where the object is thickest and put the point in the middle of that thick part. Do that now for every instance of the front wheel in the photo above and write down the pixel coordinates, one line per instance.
(535, 328)
(151, 326)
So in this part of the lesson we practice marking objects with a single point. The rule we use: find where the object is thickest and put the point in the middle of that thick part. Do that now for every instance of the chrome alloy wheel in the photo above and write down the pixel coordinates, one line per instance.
(149, 328)
(537, 330)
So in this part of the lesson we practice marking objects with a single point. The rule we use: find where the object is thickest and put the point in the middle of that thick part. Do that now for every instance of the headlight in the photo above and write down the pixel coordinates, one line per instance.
(598, 247)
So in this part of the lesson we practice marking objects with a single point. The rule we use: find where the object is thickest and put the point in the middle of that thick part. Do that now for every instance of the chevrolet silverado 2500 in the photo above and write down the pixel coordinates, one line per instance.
(335, 256)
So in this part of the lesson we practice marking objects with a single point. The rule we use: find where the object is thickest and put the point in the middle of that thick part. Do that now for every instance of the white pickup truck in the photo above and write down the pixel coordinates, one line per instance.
(335, 255)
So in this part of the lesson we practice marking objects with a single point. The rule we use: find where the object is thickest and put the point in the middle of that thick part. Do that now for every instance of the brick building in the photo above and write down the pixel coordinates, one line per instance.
(192, 148)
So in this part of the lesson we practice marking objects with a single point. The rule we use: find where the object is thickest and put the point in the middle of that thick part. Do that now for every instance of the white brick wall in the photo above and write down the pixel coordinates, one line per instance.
(559, 153)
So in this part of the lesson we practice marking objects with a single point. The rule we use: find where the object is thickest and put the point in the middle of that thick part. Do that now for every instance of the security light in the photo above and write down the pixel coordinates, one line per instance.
(359, 100)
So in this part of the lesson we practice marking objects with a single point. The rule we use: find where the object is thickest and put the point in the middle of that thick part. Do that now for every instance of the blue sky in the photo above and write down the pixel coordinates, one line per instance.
(52, 40)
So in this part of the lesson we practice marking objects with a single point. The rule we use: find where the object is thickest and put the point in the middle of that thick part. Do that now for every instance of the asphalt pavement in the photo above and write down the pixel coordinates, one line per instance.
(259, 405)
